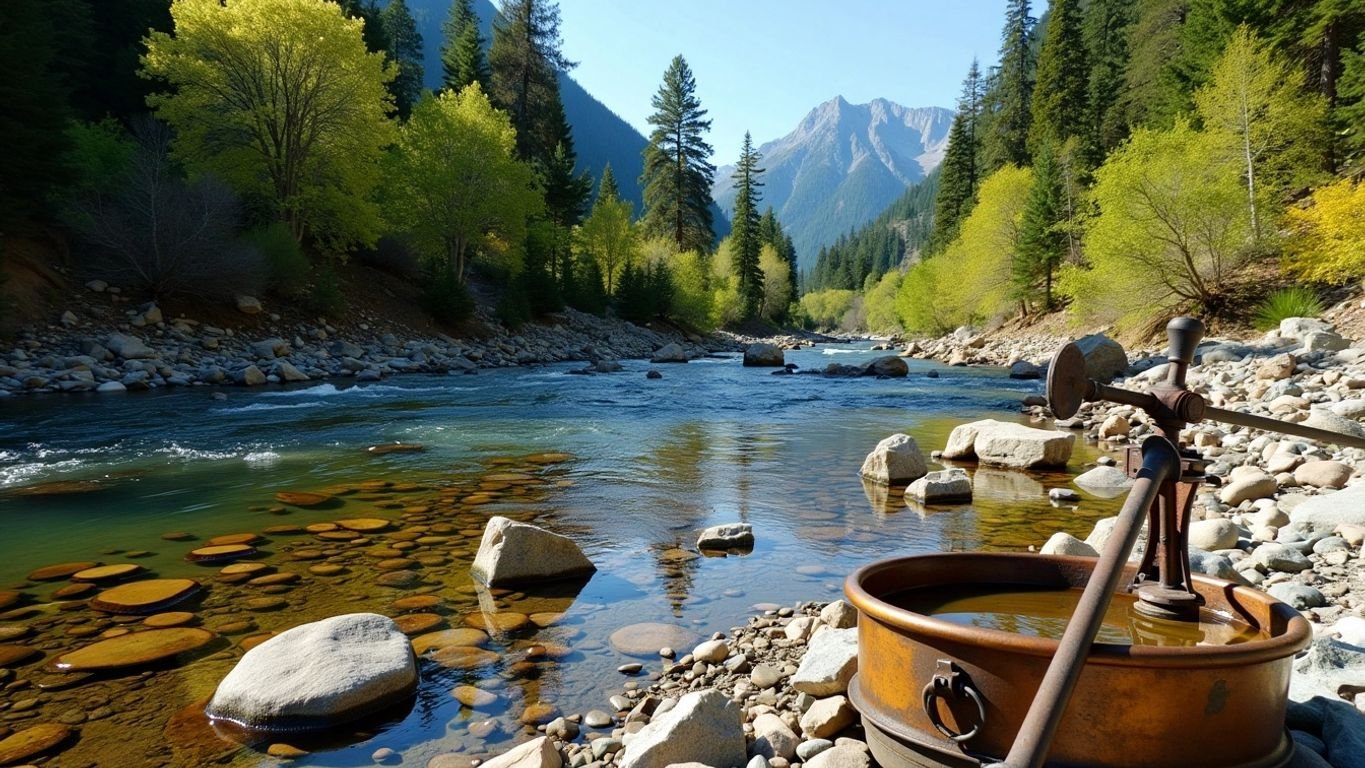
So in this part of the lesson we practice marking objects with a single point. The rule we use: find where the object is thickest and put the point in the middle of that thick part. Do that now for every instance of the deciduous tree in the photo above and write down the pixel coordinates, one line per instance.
(607, 236)
(1327, 238)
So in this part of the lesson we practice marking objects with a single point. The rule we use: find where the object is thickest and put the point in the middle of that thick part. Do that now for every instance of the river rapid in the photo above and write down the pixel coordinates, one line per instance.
(650, 463)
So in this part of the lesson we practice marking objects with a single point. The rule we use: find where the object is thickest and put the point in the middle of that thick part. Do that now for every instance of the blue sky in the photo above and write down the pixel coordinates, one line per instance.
(798, 53)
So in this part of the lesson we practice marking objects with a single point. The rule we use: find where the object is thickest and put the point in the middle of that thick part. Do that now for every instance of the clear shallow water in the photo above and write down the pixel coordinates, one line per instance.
(654, 462)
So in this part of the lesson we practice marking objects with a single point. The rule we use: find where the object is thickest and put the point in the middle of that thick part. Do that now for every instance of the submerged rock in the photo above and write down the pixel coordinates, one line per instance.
(319, 674)
(514, 552)
(134, 650)
(669, 353)
(890, 365)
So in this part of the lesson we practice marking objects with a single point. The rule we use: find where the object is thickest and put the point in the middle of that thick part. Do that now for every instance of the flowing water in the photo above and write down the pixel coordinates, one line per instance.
(648, 464)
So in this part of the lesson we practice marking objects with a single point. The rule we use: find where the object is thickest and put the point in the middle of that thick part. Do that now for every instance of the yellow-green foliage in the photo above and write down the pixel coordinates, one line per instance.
(827, 309)
(1172, 229)
(454, 185)
(970, 281)
(727, 306)
(608, 237)
(281, 99)
(691, 289)
(777, 283)
(1327, 239)
(879, 304)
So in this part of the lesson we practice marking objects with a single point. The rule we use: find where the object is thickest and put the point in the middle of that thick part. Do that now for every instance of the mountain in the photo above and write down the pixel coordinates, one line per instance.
(843, 165)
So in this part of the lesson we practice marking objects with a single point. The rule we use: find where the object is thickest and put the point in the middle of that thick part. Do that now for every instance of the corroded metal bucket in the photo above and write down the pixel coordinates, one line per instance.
(1141, 705)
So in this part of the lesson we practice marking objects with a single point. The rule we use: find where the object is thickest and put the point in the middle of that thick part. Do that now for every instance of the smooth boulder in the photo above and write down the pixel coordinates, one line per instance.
(537, 753)
(1008, 444)
(895, 460)
(704, 727)
(669, 353)
(764, 355)
(830, 661)
(1104, 357)
(1329, 510)
(318, 675)
(890, 366)
(949, 485)
(727, 536)
(514, 552)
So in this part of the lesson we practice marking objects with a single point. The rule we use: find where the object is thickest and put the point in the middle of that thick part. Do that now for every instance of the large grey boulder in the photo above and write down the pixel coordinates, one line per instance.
(829, 663)
(764, 355)
(1214, 534)
(1297, 328)
(1105, 482)
(949, 485)
(897, 459)
(1329, 510)
(890, 366)
(318, 675)
(669, 353)
(1007, 444)
(704, 727)
(128, 347)
(513, 552)
(1104, 357)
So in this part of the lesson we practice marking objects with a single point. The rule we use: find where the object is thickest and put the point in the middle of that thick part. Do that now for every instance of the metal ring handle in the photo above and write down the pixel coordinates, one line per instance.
(931, 692)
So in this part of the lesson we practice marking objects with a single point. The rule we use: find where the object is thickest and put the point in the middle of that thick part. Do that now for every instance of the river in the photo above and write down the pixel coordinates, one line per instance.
(101, 478)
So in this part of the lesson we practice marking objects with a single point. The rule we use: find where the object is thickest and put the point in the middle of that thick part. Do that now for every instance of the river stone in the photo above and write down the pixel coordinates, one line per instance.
(842, 756)
(711, 651)
(949, 485)
(168, 619)
(703, 727)
(895, 460)
(220, 552)
(418, 623)
(244, 569)
(669, 353)
(764, 355)
(1105, 482)
(1298, 596)
(537, 753)
(148, 596)
(772, 738)
(1249, 486)
(512, 552)
(133, 650)
(233, 538)
(401, 579)
(459, 636)
(128, 347)
(10, 632)
(9, 597)
(32, 741)
(1104, 357)
(1322, 474)
(107, 572)
(1008, 444)
(827, 717)
(839, 615)
(727, 536)
(74, 591)
(830, 661)
(1063, 543)
(365, 524)
(1279, 557)
(59, 571)
(497, 622)
(319, 674)
(302, 498)
(1023, 369)
(474, 698)
(1212, 535)
(463, 657)
(1326, 512)
(890, 366)
(14, 655)
(1323, 418)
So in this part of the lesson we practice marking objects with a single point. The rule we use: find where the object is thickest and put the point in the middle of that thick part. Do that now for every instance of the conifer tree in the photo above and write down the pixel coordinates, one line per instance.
(525, 61)
(1042, 239)
(745, 227)
(405, 50)
(961, 164)
(368, 11)
(607, 186)
(566, 194)
(677, 175)
(1106, 26)
(462, 55)
(1009, 100)
(1060, 93)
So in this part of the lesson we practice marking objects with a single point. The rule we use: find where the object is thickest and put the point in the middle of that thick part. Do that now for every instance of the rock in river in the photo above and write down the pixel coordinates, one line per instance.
(1008, 444)
(942, 487)
(646, 639)
(147, 596)
(319, 674)
(133, 650)
(32, 741)
(897, 459)
(514, 552)
(764, 355)
(727, 536)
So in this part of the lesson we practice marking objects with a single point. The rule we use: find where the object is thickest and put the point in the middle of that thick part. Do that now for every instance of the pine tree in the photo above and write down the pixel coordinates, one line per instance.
(677, 175)
(746, 227)
(566, 194)
(1042, 238)
(1107, 24)
(405, 50)
(368, 11)
(1060, 93)
(1009, 100)
(961, 164)
(462, 56)
(525, 61)
(606, 188)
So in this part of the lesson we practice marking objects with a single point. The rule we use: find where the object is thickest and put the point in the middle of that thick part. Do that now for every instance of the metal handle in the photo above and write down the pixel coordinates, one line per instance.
(949, 679)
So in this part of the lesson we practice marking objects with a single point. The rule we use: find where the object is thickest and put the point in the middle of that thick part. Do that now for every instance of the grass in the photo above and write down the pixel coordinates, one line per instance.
(1295, 301)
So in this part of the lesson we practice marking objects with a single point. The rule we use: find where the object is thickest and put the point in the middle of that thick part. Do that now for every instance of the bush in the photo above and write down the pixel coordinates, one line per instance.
(586, 293)
(446, 299)
(690, 302)
(1327, 239)
(514, 308)
(284, 259)
(826, 309)
(393, 256)
(1295, 301)
(325, 297)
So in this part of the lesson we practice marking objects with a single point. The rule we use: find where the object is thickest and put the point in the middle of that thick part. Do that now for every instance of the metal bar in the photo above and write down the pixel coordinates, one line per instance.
(1287, 427)
(1143, 400)
(1160, 461)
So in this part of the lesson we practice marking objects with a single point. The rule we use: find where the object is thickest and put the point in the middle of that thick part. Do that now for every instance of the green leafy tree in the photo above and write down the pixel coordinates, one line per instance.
(455, 187)
(463, 61)
(608, 238)
(1060, 93)
(879, 304)
(304, 132)
(1010, 97)
(1171, 231)
(961, 166)
(677, 174)
(770, 232)
(525, 61)
(1106, 26)
(1256, 106)
(777, 277)
(405, 51)
(606, 186)
(745, 232)
(1042, 237)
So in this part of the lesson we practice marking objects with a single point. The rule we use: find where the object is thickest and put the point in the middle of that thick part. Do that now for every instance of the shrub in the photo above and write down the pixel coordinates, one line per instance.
(1327, 239)
(284, 259)
(446, 299)
(325, 296)
(826, 309)
(393, 256)
(690, 302)
(1295, 301)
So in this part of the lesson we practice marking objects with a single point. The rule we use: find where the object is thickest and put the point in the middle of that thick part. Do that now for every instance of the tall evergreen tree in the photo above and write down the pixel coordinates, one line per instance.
(677, 175)
(1107, 25)
(1060, 92)
(1042, 237)
(462, 55)
(746, 227)
(405, 50)
(368, 11)
(961, 163)
(525, 61)
(566, 195)
(1009, 100)
(607, 187)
